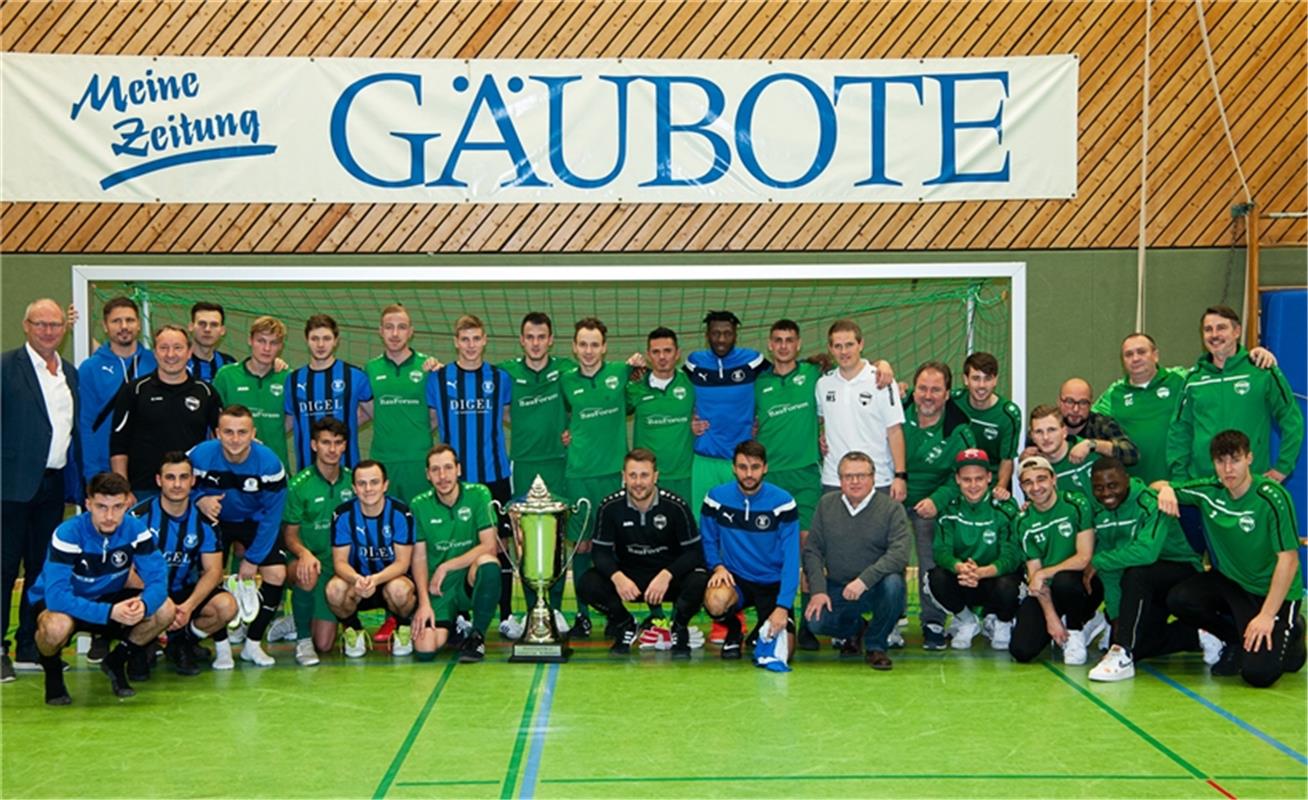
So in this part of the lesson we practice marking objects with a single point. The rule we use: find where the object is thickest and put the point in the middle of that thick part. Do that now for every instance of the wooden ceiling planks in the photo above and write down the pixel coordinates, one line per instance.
(1258, 49)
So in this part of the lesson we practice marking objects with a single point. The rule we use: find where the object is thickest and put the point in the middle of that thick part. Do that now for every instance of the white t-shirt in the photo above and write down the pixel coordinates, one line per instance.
(856, 415)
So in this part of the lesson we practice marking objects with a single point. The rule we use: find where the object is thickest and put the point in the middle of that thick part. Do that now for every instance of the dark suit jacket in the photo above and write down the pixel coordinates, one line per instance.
(25, 430)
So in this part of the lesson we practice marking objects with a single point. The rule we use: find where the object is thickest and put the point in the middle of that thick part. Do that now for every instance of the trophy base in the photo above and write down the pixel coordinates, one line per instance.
(544, 653)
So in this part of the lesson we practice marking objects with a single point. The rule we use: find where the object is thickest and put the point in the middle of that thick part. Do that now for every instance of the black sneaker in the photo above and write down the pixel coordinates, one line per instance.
(624, 636)
(806, 640)
(99, 649)
(182, 656)
(933, 637)
(581, 628)
(6, 669)
(138, 663)
(1229, 664)
(199, 653)
(114, 666)
(731, 645)
(56, 693)
(680, 641)
(473, 648)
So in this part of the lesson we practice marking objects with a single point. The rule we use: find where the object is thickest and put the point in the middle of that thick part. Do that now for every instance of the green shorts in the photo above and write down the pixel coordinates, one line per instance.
(321, 611)
(408, 479)
(550, 470)
(678, 486)
(594, 490)
(455, 597)
(707, 472)
(803, 484)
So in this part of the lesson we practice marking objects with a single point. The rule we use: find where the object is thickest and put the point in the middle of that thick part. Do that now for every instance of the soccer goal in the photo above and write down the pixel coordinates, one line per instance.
(909, 313)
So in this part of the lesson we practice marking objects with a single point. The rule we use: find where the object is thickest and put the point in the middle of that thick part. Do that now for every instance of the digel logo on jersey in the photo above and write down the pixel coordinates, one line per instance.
(192, 403)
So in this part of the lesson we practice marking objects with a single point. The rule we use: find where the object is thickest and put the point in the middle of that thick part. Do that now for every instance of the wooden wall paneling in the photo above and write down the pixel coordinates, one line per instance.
(718, 26)
(789, 29)
(296, 224)
(11, 215)
(478, 240)
(678, 236)
(69, 15)
(14, 19)
(100, 237)
(602, 20)
(390, 31)
(471, 42)
(329, 38)
(616, 38)
(726, 219)
(427, 19)
(215, 39)
(52, 237)
(303, 40)
(368, 219)
(561, 45)
(165, 40)
(155, 16)
(460, 233)
(76, 40)
(25, 219)
(657, 238)
(155, 220)
(33, 28)
(105, 34)
(87, 227)
(345, 222)
(347, 44)
(444, 219)
(458, 24)
(274, 38)
(203, 234)
(271, 228)
(195, 18)
(249, 227)
(171, 225)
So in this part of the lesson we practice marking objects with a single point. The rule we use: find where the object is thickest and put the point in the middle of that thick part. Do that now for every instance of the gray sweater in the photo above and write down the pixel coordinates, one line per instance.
(842, 547)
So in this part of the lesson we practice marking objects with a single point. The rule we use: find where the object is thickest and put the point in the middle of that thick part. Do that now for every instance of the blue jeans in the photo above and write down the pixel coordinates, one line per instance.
(885, 600)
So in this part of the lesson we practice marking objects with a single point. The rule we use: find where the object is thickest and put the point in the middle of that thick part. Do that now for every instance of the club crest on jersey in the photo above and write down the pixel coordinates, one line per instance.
(737, 375)
(415, 376)
(192, 403)
(611, 381)
(465, 514)
(1129, 400)
(660, 522)
(1163, 393)
(1065, 529)
(276, 390)
(989, 537)
(191, 540)
(338, 385)
(800, 380)
(118, 558)
(864, 398)
(679, 392)
(1242, 387)
(250, 485)
(1246, 524)
(488, 386)
(991, 433)
(762, 522)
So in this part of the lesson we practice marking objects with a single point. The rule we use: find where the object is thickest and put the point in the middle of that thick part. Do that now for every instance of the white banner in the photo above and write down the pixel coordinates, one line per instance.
(301, 130)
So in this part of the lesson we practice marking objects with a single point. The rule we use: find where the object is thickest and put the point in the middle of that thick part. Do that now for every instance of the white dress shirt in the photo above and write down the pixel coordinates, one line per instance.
(58, 405)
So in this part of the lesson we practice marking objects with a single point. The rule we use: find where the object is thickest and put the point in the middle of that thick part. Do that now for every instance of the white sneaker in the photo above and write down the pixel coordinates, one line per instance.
(561, 622)
(511, 628)
(966, 629)
(355, 643)
(402, 641)
(247, 598)
(282, 630)
(1001, 635)
(1097, 625)
(695, 637)
(1074, 648)
(462, 626)
(895, 639)
(237, 634)
(1212, 647)
(988, 626)
(305, 654)
(253, 652)
(222, 657)
(1116, 665)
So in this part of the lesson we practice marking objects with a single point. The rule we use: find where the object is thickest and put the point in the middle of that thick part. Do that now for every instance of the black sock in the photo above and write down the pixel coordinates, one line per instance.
(270, 601)
(53, 667)
(352, 621)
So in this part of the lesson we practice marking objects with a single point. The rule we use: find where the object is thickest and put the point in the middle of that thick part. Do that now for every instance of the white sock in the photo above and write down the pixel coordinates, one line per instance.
(197, 633)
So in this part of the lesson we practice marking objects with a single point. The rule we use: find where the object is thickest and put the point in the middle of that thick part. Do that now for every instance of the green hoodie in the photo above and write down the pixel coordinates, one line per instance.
(981, 531)
(1145, 413)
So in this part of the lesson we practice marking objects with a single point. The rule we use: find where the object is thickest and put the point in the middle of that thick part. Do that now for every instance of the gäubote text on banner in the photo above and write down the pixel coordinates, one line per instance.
(299, 130)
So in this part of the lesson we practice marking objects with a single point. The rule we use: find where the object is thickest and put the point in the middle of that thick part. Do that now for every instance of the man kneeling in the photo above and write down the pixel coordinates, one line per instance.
(646, 549)
(83, 587)
(372, 545)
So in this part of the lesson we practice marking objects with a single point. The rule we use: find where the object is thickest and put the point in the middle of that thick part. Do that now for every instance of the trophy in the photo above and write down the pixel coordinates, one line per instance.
(539, 524)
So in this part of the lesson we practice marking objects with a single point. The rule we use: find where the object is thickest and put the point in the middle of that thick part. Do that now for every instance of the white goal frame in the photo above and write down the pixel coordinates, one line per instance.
(1015, 271)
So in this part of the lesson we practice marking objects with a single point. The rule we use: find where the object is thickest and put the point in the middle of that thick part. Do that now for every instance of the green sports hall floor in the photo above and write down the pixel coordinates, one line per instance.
(953, 724)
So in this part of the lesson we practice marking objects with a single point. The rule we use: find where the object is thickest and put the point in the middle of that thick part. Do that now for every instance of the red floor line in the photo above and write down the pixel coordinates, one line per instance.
(1215, 785)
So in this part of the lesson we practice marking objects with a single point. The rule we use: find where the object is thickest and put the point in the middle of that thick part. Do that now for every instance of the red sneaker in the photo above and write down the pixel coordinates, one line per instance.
(383, 634)
(718, 634)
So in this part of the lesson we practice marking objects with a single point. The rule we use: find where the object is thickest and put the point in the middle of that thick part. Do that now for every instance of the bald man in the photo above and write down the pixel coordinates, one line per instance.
(39, 471)
(1096, 432)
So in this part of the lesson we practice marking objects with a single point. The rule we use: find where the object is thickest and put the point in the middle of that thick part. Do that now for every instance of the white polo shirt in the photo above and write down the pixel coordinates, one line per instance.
(856, 415)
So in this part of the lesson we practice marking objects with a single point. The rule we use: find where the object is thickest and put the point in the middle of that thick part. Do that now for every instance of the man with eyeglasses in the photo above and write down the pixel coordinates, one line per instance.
(38, 399)
(1089, 432)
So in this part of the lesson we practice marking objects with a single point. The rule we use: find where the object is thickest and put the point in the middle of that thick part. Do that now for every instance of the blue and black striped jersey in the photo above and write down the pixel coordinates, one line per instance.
(205, 370)
(372, 540)
(312, 394)
(181, 540)
(470, 413)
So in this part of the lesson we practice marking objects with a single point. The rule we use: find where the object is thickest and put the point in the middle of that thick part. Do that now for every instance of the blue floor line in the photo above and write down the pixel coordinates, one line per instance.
(539, 730)
(1221, 712)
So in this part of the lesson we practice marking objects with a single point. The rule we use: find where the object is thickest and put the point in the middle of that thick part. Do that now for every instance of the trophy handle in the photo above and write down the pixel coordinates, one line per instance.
(517, 539)
(584, 522)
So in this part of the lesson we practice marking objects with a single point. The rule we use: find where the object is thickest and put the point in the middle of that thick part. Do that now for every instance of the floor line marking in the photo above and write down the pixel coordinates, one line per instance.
(867, 777)
(491, 782)
(519, 743)
(539, 730)
(1227, 715)
(387, 779)
(1131, 726)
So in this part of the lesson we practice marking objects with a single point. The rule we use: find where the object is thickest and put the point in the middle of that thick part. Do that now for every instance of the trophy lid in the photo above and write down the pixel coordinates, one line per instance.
(537, 500)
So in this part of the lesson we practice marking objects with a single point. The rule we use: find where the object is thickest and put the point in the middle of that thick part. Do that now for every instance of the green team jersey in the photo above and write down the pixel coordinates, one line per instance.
(537, 416)
(786, 409)
(1135, 534)
(997, 428)
(981, 531)
(1145, 413)
(1074, 477)
(236, 385)
(929, 454)
(1246, 534)
(401, 421)
(450, 531)
(1241, 396)
(597, 408)
(1050, 536)
(661, 422)
(310, 501)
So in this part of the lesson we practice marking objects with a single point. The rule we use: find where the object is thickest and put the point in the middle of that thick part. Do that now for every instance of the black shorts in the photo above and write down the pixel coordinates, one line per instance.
(375, 601)
(762, 596)
(244, 532)
(502, 491)
(109, 629)
(182, 595)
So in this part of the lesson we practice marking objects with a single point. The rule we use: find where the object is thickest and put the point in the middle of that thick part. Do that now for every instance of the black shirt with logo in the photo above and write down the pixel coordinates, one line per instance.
(152, 418)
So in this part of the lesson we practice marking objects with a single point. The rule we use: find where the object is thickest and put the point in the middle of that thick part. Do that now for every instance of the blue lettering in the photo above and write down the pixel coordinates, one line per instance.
(131, 129)
(557, 162)
(341, 147)
(488, 94)
(878, 84)
(949, 127)
(826, 130)
(664, 130)
(150, 89)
